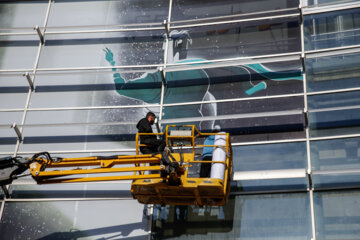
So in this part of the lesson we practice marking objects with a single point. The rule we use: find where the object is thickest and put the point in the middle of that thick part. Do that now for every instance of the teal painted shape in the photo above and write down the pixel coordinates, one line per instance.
(258, 87)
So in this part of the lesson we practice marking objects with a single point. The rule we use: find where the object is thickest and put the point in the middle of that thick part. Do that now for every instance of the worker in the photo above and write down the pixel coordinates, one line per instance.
(144, 126)
(207, 153)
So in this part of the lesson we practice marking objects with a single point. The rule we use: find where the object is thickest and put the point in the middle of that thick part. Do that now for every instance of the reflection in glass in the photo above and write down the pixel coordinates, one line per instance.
(12, 100)
(73, 220)
(335, 154)
(332, 100)
(324, 120)
(243, 81)
(337, 215)
(270, 185)
(235, 40)
(332, 29)
(277, 216)
(266, 157)
(118, 133)
(91, 50)
(336, 180)
(15, 14)
(87, 90)
(18, 52)
(13, 83)
(255, 116)
(77, 190)
(107, 12)
(333, 72)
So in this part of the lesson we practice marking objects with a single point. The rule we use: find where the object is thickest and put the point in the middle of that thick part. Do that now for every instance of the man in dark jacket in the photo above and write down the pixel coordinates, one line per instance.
(144, 126)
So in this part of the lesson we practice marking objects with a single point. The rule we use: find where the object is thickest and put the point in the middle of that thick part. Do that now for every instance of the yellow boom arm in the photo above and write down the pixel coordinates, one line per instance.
(159, 178)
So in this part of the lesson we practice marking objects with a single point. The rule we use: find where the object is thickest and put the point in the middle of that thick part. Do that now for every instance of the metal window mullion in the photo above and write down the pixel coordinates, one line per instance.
(82, 151)
(330, 8)
(105, 30)
(163, 86)
(151, 218)
(92, 108)
(65, 199)
(344, 90)
(332, 51)
(33, 79)
(333, 109)
(307, 131)
(2, 207)
(164, 80)
(268, 142)
(18, 34)
(335, 137)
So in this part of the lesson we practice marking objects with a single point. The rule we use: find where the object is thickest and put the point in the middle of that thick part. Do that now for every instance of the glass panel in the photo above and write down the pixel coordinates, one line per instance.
(8, 136)
(192, 9)
(266, 157)
(334, 72)
(332, 29)
(15, 14)
(293, 156)
(243, 81)
(107, 12)
(337, 180)
(266, 107)
(335, 154)
(252, 129)
(90, 190)
(277, 216)
(13, 83)
(235, 40)
(17, 52)
(327, 121)
(333, 100)
(97, 89)
(102, 49)
(12, 100)
(108, 190)
(121, 116)
(255, 116)
(8, 118)
(270, 185)
(337, 215)
(93, 136)
(71, 220)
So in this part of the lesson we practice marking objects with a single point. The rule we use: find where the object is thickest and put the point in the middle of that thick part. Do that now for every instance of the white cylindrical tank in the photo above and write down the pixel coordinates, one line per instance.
(219, 154)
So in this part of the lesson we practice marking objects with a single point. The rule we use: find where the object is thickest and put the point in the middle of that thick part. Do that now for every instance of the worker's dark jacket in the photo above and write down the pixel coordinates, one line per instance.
(145, 127)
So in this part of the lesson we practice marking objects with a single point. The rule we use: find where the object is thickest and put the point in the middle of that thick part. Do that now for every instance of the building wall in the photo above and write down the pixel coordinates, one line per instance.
(280, 76)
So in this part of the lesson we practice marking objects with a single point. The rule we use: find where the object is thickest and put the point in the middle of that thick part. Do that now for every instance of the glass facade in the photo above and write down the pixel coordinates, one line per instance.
(282, 77)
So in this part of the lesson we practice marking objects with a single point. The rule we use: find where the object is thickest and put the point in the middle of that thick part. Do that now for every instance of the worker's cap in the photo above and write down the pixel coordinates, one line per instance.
(216, 128)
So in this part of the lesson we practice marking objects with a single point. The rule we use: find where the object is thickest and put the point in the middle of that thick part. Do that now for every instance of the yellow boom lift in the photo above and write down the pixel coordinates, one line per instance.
(161, 178)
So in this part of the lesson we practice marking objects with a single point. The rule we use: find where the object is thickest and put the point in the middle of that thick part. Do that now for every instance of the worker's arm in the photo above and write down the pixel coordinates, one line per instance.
(146, 88)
